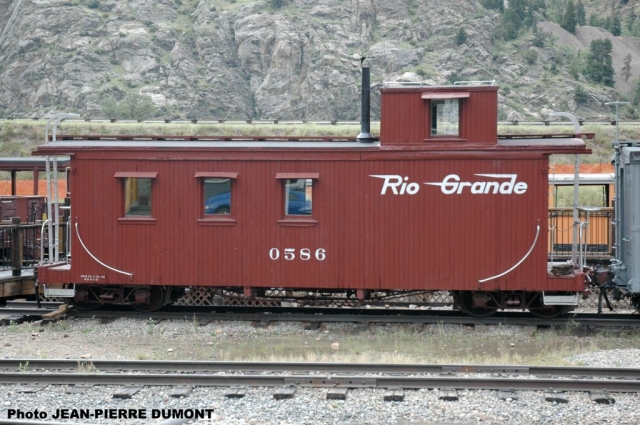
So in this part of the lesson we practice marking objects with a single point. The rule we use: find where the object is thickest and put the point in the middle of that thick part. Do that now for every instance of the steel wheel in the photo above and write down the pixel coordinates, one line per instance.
(465, 301)
(157, 299)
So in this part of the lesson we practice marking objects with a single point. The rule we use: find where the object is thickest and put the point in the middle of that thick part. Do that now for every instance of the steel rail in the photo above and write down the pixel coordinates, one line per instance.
(406, 382)
(622, 320)
(363, 368)
(345, 315)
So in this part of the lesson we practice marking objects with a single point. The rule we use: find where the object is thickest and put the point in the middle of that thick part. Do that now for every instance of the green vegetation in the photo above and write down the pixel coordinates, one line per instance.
(461, 36)
(20, 137)
(579, 94)
(276, 4)
(588, 196)
(530, 56)
(133, 106)
(570, 17)
(599, 68)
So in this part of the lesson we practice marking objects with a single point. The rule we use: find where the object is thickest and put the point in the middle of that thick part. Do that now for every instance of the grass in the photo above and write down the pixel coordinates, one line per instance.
(86, 366)
(380, 343)
(438, 344)
(20, 137)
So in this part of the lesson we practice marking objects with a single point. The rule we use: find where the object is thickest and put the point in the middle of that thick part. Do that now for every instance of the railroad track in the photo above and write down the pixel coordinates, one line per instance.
(398, 377)
(99, 365)
(16, 312)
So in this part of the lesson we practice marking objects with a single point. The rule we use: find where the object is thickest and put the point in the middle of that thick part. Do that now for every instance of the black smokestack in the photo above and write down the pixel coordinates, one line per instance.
(365, 116)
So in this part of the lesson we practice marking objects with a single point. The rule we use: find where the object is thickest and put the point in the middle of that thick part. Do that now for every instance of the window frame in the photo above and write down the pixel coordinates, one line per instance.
(296, 220)
(433, 97)
(122, 176)
(216, 219)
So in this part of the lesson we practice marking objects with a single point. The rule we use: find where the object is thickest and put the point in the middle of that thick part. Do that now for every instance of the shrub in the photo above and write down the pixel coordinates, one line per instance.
(531, 56)
(461, 36)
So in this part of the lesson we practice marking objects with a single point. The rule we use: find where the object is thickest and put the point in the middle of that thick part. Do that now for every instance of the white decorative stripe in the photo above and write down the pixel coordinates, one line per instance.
(94, 257)
(519, 262)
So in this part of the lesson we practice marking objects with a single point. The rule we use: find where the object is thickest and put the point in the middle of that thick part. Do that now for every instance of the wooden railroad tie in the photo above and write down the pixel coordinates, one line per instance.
(31, 389)
(284, 393)
(394, 394)
(507, 395)
(448, 395)
(126, 392)
(337, 393)
(181, 391)
(236, 392)
(601, 397)
(556, 396)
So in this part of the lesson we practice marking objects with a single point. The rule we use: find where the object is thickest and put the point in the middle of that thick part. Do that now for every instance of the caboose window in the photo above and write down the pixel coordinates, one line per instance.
(217, 197)
(298, 197)
(137, 192)
(137, 196)
(445, 117)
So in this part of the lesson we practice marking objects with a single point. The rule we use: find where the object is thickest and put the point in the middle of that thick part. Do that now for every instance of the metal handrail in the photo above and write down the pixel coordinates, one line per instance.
(44, 223)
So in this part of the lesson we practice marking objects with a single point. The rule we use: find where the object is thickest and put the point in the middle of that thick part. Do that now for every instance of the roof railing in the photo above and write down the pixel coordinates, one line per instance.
(403, 84)
(475, 83)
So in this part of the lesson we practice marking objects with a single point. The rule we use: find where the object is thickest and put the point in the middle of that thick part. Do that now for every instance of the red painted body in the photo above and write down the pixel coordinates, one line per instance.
(428, 240)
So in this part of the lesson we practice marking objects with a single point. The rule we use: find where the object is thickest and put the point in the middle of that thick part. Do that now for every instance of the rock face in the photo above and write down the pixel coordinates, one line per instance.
(237, 59)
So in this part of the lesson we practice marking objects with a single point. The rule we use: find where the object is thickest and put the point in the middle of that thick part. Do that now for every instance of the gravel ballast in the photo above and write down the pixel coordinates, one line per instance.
(146, 340)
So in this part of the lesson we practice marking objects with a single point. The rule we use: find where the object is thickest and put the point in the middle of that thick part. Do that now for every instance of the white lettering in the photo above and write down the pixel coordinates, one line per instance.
(445, 183)
(392, 181)
(478, 187)
(451, 184)
(520, 188)
(413, 188)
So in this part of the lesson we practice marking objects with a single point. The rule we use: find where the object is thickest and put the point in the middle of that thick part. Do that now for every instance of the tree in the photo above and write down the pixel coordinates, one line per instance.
(137, 107)
(530, 55)
(110, 109)
(579, 94)
(461, 36)
(581, 15)
(133, 106)
(511, 24)
(625, 71)
(599, 68)
(616, 25)
(576, 65)
(493, 5)
(539, 37)
(276, 4)
(569, 18)
(635, 94)
(635, 28)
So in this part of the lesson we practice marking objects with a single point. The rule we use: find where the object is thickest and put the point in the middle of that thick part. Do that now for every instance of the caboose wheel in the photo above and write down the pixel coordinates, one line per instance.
(466, 305)
(550, 312)
(157, 299)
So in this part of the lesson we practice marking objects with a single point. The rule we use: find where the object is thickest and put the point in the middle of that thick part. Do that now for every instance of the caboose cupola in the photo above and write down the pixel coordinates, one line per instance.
(434, 115)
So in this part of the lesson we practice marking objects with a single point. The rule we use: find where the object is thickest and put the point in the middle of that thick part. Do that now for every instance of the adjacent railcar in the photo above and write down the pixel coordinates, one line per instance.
(437, 203)
(595, 214)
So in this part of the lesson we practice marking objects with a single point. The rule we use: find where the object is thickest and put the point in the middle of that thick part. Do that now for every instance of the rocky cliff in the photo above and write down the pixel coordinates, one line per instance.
(247, 59)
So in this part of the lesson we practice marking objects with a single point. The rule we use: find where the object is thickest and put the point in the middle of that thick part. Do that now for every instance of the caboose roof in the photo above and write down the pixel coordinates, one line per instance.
(108, 143)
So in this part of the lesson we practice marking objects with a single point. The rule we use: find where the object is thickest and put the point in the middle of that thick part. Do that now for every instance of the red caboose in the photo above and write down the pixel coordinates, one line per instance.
(438, 203)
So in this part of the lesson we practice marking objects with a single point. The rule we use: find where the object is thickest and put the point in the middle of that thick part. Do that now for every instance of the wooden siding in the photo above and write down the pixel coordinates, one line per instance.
(406, 117)
(429, 240)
